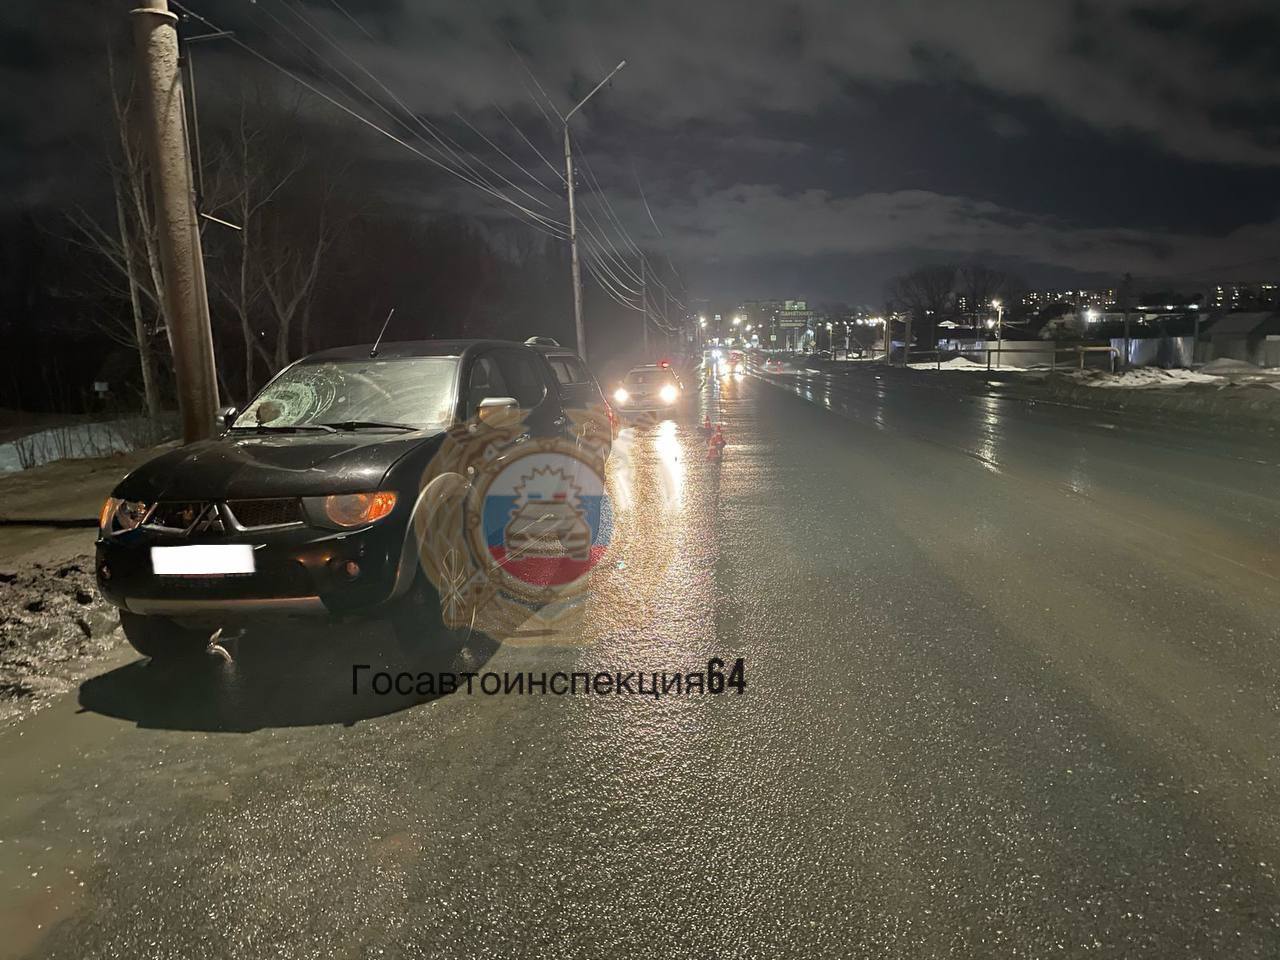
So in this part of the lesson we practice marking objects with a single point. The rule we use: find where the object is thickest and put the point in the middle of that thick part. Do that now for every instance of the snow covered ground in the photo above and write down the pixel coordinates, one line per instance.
(76, 441)
(955, 363)
(1142, 378)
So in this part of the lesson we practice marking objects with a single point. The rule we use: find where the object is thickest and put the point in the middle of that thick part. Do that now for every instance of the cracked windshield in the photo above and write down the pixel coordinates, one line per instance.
(592, 480)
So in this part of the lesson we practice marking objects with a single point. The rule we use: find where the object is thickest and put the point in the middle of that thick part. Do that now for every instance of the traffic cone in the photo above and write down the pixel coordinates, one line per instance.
(715, 444)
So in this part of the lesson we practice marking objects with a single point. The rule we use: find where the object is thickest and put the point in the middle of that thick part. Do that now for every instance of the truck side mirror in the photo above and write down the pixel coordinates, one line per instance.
(492, 408)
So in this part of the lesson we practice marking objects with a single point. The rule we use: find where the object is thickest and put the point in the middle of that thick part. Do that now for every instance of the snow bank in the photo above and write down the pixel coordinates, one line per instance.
(79, 440)
(955, 363)
(1143, 378)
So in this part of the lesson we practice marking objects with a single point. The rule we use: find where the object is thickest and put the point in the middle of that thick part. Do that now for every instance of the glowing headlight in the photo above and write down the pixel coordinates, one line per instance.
(621, 395)
(354, 509)
(120, 515)
(668, 393)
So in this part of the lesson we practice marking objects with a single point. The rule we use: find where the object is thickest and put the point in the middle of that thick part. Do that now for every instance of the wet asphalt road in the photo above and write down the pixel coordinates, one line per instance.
(1012, 691)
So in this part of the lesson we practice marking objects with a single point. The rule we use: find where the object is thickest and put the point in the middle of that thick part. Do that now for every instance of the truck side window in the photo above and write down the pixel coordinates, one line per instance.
(524, 378)
(486, 381)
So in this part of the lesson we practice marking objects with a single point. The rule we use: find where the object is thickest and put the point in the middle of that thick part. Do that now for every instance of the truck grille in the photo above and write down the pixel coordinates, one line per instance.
(176, 514)
(207, 515)
(266, 513)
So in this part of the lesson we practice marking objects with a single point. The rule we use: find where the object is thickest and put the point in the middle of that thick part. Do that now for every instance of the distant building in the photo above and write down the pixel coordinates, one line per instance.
(1038, 299)
(781, 324)
(1244, 296)
(1253, 336)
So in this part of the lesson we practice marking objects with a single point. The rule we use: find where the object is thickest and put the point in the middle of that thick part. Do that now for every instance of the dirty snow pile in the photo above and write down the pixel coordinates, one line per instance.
(1144, 378)
(52, 621)
(1241, 373)
(955, 363)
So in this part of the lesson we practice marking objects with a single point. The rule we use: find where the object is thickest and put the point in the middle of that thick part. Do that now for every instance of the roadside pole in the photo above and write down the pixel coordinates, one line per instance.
(181, 261)
(644, 305)
(578, 328)
(1125, 365)
(579, 332)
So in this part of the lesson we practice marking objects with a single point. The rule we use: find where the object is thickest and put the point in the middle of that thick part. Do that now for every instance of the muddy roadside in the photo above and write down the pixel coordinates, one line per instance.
(55, 630)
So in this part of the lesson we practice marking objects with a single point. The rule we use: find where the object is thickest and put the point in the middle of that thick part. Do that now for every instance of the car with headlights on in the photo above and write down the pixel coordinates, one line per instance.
(650, 388)
(306, 502)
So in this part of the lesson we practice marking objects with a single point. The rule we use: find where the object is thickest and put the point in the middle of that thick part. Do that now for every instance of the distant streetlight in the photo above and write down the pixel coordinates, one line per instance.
(579, 330)
(736, 321)
(999, 329)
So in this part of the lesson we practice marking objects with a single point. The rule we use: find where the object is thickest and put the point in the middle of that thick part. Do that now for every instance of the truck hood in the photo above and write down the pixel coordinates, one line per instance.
(272, 465)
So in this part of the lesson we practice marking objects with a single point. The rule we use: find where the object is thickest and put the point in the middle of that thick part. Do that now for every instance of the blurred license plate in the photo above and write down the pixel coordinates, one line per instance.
(202, 560)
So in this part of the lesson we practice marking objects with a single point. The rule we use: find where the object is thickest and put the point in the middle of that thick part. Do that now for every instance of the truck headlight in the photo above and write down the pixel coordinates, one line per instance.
(621, 395)
(668, 393)
(119, 515)
(357, 509)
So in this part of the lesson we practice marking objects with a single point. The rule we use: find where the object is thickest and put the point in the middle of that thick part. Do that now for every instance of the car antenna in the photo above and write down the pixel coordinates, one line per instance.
(374, 352)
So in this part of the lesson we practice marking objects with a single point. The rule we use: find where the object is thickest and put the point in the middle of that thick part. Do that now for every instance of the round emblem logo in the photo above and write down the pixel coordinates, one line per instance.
(514, 524)
(541, 521)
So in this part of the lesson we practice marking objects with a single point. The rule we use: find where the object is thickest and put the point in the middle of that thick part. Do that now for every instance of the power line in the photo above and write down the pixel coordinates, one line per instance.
(590, 243)
(647, 209)
(538, 218)
(518, 130)
(448, 147)
(502, 153)
(605, 285)
(620, 228)
(354, 22)
(618, 259)
(609, 213)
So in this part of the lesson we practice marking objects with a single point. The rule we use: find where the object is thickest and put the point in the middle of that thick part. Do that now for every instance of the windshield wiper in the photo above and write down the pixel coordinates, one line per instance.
(287, 427)
(371, 425)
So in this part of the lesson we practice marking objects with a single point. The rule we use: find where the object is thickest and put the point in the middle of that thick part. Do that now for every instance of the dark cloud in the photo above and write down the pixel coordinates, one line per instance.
(1084, 137)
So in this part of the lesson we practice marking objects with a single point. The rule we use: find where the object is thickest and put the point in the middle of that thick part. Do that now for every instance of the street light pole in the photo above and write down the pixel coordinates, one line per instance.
(579, 330)
(999, 331)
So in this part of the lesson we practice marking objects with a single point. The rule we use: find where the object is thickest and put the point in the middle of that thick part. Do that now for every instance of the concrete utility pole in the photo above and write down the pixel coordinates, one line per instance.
(644, 300)
(579, 330)
(181, 262)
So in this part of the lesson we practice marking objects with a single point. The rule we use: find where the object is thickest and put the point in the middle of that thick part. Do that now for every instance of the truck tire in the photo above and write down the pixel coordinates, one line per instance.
(420, 629)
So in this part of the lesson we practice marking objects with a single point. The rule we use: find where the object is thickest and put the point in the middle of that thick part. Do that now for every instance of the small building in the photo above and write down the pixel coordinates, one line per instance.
(1253, 337)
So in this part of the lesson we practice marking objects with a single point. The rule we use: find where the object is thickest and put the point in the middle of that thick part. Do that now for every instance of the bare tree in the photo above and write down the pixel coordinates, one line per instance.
(289, 265)
(980, 285)
(925, 295)
(272, 247)
(128, 251)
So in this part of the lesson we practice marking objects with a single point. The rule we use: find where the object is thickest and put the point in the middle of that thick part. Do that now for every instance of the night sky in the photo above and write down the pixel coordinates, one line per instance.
(790, 149)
